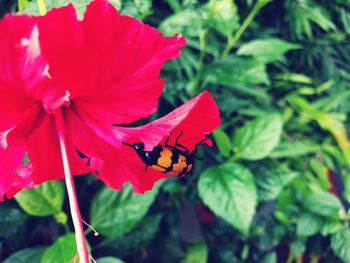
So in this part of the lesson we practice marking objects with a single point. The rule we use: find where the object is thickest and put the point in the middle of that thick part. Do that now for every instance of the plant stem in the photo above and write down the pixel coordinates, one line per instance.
(174, 5)
(73, 202)
(290, 257)
(42, 7)
(232, 40)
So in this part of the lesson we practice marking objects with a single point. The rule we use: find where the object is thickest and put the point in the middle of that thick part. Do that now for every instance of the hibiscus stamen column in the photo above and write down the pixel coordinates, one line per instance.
(73, 201)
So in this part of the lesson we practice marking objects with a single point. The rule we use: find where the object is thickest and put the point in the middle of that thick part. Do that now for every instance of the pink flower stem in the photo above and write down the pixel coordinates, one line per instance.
(73, 202)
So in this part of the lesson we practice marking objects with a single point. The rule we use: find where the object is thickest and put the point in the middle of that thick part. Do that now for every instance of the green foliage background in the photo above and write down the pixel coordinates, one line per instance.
(276, 185)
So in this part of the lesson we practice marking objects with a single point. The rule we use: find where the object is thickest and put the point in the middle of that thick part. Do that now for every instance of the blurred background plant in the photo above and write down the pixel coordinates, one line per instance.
(276, 185)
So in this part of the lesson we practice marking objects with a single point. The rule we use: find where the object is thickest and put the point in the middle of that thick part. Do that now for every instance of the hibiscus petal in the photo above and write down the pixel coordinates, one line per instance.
(61, 43)
(126, 166)
(195, 119)
(113, 166)
(85, 138)
(100, 129)
(117, 166)
(45, 154)
(22, 179)
(22, 67)
(119, 57)
(122, 64)
(12, 150)
(10, 159)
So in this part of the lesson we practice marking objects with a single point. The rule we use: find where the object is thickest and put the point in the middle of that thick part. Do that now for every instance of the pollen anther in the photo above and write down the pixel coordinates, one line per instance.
(25, 42)
(46, 72)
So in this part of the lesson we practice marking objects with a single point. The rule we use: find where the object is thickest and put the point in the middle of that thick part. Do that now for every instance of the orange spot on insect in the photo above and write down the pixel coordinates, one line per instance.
(165, 158)
(181, 164)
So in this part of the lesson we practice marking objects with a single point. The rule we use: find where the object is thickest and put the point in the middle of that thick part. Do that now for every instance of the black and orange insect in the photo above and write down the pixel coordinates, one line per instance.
(173, 160)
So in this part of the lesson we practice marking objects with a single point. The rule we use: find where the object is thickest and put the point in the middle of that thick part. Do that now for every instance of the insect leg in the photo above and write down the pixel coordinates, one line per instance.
(180, 145)
(196, 149)
(167, 141)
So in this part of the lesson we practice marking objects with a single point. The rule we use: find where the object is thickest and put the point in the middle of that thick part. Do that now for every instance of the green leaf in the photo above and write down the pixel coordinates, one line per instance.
(297, 247)
(323, 203)
(187, 22)
(233, 71)
(267, 50)
(281, 217)
(303, 13)
(80, 6)
(109, 260)
(271, 179)
(340, 243)
(10, 219)
(144, 7)
(321, 17)
(64, 249)
(257, 138)
(135, 239)
(197, 253)
(43, 200)
(223, 16)
(114, 213)
(295, 77)
(136, 8)
(28, 255)
(223, 142)
(309, 224)
(347, 187)
(245, 252)
(22, 4)
(229, 191)
(270, 258)
(116, 3)
(287, 149)
(331, 227)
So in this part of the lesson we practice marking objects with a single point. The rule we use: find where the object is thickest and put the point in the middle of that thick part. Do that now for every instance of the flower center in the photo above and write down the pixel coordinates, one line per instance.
(52, 103)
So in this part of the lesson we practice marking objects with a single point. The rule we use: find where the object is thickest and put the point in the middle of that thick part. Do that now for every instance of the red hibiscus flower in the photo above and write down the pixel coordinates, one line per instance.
(66, 87)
